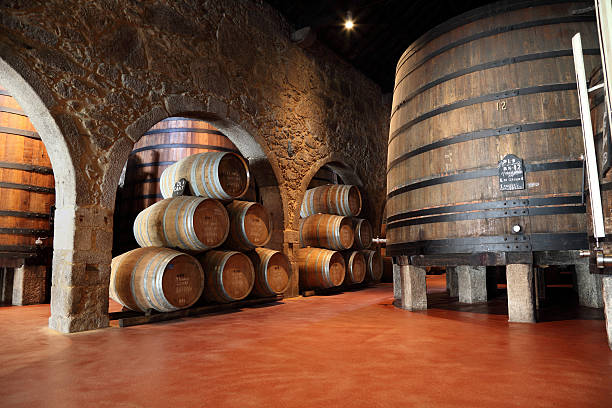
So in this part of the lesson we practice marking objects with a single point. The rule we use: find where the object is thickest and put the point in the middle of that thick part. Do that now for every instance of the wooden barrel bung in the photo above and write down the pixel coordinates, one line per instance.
(230, 275)
(374, 265)
(320, 268)
(26, 185)
(188, 223)
(250, 225)
(272, 271)
(327, 231)
(355, 267)
(155, 278)
(219, 175)
(468, 95)
(363, 233)
(339, 199)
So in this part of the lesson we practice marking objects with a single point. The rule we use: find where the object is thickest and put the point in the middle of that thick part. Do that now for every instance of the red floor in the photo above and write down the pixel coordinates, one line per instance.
(348, 350)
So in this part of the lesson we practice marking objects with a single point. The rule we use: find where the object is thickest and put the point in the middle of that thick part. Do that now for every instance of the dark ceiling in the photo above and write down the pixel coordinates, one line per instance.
(383, 28)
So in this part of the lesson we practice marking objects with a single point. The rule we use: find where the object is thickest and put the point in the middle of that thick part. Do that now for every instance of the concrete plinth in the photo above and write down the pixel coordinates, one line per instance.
(452, 284)
(588, 286)
(29, 285)
(607, 297)
(397, 282)
(521, 300)
(472, 284)
(414, 288)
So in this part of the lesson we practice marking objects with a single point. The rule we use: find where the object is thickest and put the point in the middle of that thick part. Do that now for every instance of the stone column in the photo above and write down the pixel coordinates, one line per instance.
(83, 240)
(472, 284)
(414, 288)
(291, 243)
(452, 284)
(607, 297)
(521, 301)
(397, 282)
(29, 285)
(588, 285)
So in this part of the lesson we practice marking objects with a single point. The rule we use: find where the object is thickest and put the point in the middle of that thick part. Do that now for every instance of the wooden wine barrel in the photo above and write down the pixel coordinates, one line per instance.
(320, 268)
(272, 271)
(326, 231)
(229, 275)
(363, 233)
(155, 278)
(250, 225)
(355, 267)
(339, 199)
(493, 82)
(219, 175)
(374, 265)
(26, 184)
(324, 176)
(188, 223)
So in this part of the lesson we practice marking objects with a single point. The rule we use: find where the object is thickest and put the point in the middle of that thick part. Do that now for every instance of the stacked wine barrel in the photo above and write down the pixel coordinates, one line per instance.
(335, 243)
(205, 246)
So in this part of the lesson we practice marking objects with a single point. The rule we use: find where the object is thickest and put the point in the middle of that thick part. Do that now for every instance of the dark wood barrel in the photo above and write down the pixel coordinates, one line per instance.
(155, 278)
(374, 265)
(250, 225)
(324, 176)
(363, 233)
(188, 223)
(219, 175)
(27, 187)
(355, 267)
(339, 199)
(272, 271)
(229, 275)
(494, 82)
(320, 268)
(326, 231)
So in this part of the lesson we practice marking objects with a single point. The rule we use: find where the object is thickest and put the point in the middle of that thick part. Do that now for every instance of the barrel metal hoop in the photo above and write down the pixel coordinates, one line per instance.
(26, 167)
(157, 290)
(243, 213)
(221, 268)
(154, 164)
(27, 187)
(22, 214)
(182, 130)
(483, 172)
(13, 111)
(25, 231)
(180, 242)
(194, 176)
(20, 132)
(327, 259)
(606, 186)
(263, 267)
(482, 134)
(182, 146)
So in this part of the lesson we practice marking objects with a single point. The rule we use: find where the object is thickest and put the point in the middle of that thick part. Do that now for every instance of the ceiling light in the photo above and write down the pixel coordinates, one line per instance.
(349, 23)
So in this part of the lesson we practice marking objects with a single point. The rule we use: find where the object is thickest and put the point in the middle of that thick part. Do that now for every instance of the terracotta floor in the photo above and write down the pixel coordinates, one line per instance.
(349, 350)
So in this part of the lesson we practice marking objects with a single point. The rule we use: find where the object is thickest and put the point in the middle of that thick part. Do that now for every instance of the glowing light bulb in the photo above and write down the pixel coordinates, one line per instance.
(348, 24)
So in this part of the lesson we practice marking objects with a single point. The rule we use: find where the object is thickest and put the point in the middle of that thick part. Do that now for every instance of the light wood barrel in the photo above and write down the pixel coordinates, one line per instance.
(250, 225)
(339, 199)
(26, 184)
(156, 278)
(355, 267)
(219, 175)
(469, 93)
(272, 271)
(374, 265)
(230, 275)
(363, 233)
(326, 231)
(188, 223)
(320, 268)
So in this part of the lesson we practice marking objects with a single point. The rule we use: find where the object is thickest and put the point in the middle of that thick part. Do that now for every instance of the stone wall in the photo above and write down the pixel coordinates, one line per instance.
(95, 75)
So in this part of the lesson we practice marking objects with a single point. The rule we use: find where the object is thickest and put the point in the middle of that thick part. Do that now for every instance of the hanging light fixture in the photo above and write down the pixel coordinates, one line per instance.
(349, 23)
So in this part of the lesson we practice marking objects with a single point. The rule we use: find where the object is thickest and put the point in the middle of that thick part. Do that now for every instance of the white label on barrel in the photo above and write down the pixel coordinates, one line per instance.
(179, 188)
(511, 173)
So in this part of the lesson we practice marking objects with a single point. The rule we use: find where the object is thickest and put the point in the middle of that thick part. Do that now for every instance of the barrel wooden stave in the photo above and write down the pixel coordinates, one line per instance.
(188, 223)
(355, 267)
(155, 278)
(230, 276)
(338, 199)
(320, 268)
(374, 265)
(363, 233)
(558, 146)
(250, 225)
(327, 231)
(272, 271)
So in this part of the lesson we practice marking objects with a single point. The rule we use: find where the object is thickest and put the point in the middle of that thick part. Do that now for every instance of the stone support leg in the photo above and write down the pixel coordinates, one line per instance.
(414, 288)
(588, 286)
(29, 285)
(452, 284)
(521, 300)
(397, 282)
(607, 296)
(472, 284)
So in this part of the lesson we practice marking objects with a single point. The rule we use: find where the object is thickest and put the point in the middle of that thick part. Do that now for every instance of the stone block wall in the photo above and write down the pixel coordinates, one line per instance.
(95, 75)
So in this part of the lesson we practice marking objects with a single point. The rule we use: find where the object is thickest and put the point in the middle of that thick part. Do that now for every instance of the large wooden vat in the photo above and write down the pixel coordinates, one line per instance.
(229, 275)
(26, 184)
(272, 271)
(188, 223)
(250, 225)
(155, 278)
(320, 268)
(327, 231)
(493, 82)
